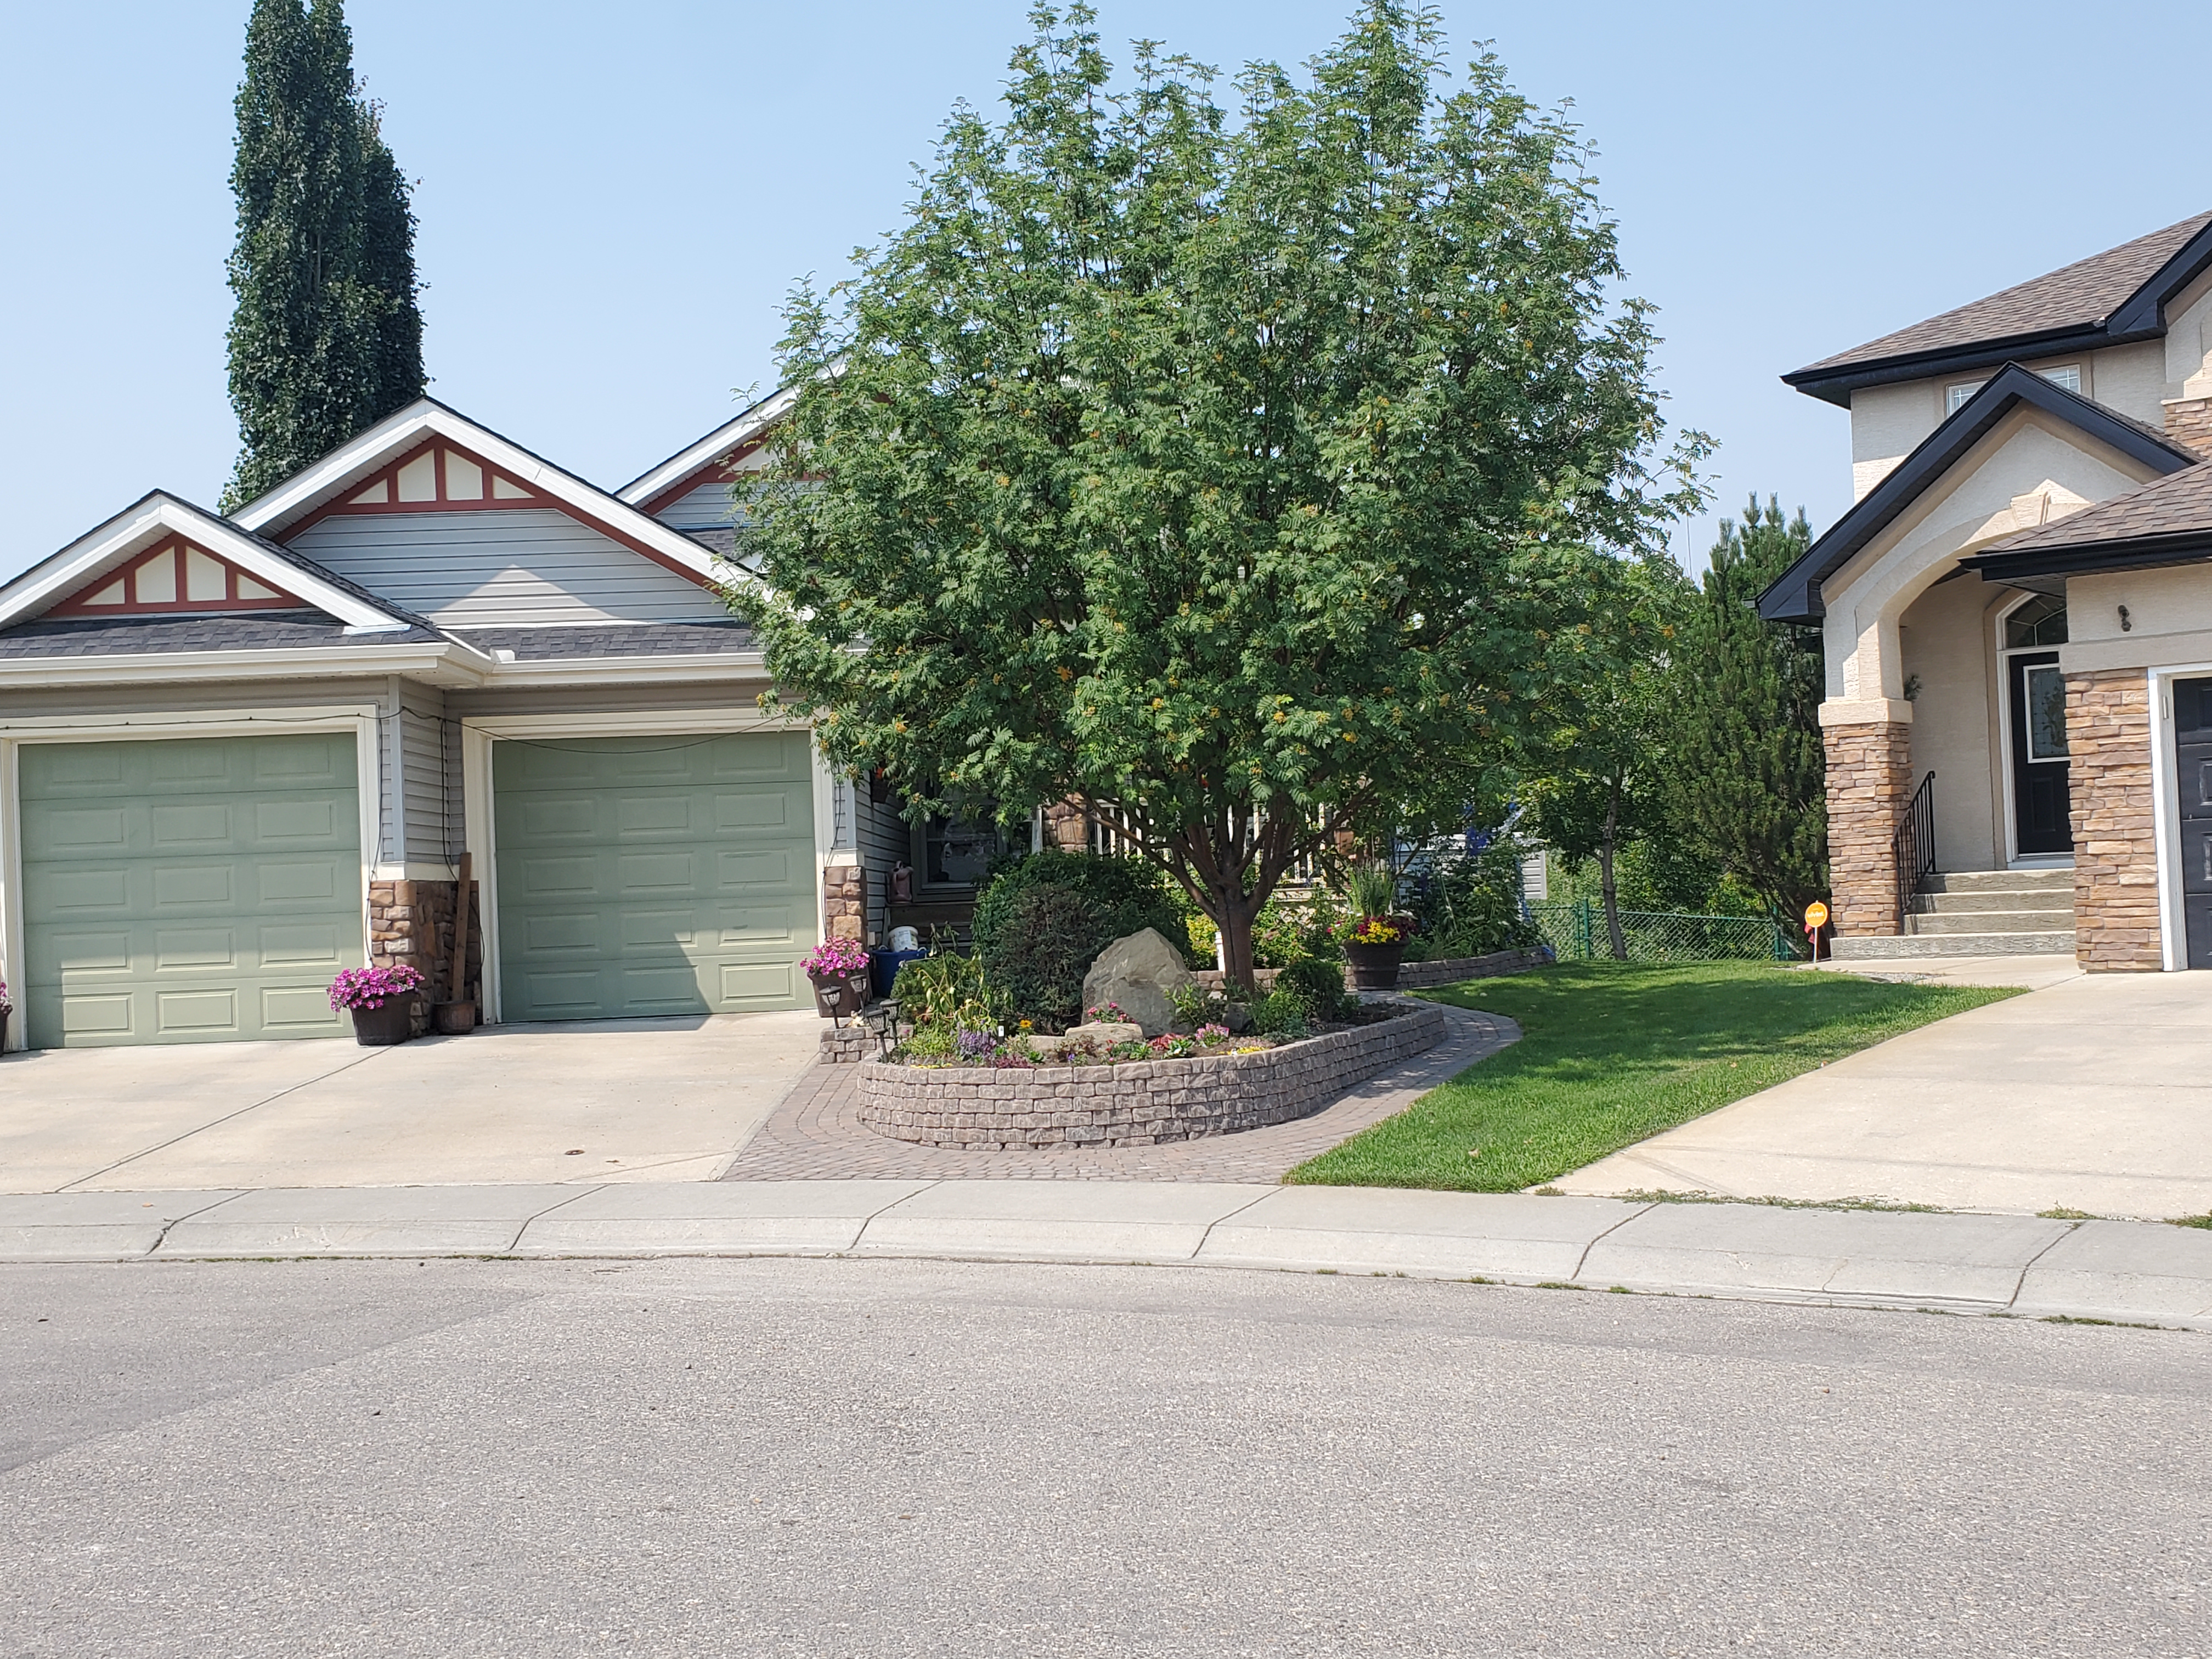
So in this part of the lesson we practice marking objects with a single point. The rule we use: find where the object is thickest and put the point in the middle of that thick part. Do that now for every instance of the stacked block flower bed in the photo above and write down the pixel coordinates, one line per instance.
(1141, 1103)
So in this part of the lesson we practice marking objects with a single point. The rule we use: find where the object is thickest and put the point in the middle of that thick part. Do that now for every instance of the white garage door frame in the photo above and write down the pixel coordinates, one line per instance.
(360, 718)
(480, 732)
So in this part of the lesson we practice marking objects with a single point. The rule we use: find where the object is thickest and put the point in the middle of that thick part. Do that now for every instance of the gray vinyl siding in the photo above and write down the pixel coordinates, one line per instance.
(705, 508)
(518, 566)
(430, 785)
(190, 696)
(885, 840)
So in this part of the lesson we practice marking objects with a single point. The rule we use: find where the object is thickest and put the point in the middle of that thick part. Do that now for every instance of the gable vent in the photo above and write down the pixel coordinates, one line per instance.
(174, 575)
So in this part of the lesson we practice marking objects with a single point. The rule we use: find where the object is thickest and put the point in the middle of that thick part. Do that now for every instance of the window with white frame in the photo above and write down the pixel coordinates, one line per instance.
(1954, 397)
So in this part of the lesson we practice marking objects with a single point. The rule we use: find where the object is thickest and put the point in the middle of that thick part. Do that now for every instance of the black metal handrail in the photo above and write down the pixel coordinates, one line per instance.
(1912, 849)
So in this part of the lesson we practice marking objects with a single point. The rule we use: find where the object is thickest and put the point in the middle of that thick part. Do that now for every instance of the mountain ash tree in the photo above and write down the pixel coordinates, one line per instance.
(1237, 472)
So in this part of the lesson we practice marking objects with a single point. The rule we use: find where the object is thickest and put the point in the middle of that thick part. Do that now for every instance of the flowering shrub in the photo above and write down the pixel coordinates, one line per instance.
(1107, 1013)
(6, 1007)
(1213, 1034)
(1371, 930)
(372, 988)
(972, 1046)
(834, 958)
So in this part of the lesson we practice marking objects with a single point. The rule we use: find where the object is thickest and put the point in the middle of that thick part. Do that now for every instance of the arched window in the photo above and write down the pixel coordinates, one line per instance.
(2041, 623)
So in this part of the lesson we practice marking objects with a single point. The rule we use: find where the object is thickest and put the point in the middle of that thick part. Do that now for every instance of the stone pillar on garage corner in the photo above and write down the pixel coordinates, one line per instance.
(1869, 784)
(844, 902)
(1067, 825)
(410, 923)
(2108, 744)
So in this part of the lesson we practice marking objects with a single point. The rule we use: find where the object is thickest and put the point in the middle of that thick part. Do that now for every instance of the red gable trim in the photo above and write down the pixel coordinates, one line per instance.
(160, 581)
(724, 470)
(445, 477)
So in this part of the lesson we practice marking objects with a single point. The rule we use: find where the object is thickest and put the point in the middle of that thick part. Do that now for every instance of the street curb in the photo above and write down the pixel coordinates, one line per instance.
(2026, 1267)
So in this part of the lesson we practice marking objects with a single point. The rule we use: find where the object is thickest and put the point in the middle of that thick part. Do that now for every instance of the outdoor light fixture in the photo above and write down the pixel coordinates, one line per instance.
(882, 1018)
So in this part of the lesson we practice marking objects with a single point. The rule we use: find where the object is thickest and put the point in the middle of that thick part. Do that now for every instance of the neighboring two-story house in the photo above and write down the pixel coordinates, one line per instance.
(2017, 613)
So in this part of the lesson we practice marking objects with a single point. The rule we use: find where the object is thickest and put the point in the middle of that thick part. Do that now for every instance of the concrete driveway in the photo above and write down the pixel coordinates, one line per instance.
(614, 1100)
(2092, 1094)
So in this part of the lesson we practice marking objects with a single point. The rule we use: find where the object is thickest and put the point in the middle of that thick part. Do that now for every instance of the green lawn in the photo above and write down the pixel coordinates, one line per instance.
(1611, 1052)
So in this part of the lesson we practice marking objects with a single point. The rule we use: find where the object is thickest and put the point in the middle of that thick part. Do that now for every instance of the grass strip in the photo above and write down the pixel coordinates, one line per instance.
(1614, 1053)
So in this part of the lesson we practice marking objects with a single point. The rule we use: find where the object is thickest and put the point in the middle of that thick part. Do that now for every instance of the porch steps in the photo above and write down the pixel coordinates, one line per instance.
(1980, 913)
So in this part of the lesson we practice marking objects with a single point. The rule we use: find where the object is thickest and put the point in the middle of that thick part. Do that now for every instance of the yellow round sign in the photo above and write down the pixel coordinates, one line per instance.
(1816, 914)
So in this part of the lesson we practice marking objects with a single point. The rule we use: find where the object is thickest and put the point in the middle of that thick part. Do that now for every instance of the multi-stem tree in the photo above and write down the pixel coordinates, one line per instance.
(325, 338)
(1238, 473)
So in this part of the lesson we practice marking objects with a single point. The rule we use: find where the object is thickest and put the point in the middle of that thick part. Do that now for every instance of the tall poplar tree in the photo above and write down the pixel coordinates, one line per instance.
(326, 338)
(1748, 769)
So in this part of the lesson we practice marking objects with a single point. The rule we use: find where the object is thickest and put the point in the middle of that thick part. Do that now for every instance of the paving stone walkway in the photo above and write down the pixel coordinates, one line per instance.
(816, 1135)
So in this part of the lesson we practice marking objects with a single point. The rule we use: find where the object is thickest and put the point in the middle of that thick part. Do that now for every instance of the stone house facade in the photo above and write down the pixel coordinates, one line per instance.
(2017, 619)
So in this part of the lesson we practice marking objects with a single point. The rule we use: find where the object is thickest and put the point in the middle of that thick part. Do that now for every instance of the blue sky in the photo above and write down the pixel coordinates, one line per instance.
(614, 199)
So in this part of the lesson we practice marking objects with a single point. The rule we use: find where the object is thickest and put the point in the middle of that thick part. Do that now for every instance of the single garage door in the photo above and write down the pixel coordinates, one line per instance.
(197, 890)
(665, 875)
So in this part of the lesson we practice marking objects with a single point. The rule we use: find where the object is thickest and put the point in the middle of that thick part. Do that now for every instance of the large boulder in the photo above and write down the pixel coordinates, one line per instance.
(1138, 974)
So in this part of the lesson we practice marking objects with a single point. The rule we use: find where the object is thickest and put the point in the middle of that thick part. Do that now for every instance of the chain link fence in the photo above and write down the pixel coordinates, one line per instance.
(1576, 931)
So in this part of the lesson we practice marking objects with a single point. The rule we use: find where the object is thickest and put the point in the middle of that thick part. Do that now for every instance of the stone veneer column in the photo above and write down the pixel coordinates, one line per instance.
(1067, 826)
(2108, 736)
(844, 902)
(410, 923)
(1869, 782)
(2189, 421)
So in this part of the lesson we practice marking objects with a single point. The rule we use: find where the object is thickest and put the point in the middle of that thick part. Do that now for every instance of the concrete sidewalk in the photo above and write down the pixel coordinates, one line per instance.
(2023, 1266)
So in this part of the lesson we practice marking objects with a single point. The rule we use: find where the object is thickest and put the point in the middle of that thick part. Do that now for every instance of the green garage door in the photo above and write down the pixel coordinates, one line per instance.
(667, 875)
(198, 890)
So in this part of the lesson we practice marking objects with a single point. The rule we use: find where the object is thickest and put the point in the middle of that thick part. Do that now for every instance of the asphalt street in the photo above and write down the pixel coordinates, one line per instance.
(841, 1458)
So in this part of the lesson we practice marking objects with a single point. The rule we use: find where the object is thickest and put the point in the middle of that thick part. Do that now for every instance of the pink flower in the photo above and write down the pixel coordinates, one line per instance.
(372, 988)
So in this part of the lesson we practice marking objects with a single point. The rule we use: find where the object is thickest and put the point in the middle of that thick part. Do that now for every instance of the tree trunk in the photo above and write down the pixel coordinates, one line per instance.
(1605, 876)
(1236, 924)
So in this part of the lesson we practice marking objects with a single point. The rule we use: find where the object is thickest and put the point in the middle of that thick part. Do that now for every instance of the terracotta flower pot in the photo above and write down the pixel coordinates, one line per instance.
(1374, 967)
(375, 1028)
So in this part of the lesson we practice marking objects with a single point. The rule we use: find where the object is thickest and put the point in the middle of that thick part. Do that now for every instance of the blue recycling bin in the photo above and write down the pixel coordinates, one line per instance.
(884, 966)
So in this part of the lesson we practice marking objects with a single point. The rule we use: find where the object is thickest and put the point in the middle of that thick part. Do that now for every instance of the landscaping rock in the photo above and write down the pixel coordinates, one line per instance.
(1137, 974)
(1107, 1032)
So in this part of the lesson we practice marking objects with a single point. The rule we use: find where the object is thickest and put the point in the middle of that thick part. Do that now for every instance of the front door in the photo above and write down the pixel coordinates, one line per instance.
(2041, 805)
(2192, 776)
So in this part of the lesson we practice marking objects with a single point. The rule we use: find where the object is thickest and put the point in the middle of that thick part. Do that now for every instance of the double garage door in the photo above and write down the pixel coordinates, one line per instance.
(188, 890)
(653, 876)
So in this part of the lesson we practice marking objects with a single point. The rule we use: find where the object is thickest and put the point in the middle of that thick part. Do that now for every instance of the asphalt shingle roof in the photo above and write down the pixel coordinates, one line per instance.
(122, 637)
(611, 640)
(2179, 504)
(2081, 295)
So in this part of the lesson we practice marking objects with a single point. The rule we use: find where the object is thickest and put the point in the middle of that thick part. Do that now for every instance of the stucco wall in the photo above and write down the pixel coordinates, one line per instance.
(1947, 636)
(1887, 422)
(2170, 614)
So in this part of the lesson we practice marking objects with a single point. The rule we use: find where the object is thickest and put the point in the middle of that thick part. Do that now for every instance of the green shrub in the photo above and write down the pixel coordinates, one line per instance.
(1290, 927)
(1317, 988)
(1027, 944)
(1278, 1014)
(1372, 889)
(943, 996)
(1464, 907)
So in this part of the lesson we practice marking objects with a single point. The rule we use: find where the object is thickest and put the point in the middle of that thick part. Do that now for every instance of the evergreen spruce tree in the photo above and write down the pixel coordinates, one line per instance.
(1748, 767)
(326, 338)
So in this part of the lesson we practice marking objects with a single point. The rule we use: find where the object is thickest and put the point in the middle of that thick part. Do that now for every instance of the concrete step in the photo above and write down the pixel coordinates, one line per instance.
(1982, 901)
(2000, 881)
(1994, 922)
(1952, 945)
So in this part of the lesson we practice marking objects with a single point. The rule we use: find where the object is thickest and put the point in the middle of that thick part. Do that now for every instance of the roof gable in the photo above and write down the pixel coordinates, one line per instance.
(129, 545)
(379, 456)
(711, 459)
(174, 574)
(2166, 521)
(1795, 594)
(2105, 300)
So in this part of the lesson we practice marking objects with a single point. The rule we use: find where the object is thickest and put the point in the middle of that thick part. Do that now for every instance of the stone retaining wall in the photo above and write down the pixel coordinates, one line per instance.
(1450, 970)
(1139, 1103)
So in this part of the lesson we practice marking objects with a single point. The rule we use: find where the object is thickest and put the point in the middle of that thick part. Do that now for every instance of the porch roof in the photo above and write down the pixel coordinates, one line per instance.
(2166, 521)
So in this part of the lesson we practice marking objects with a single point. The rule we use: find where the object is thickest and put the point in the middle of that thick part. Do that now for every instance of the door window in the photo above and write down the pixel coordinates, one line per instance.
(2046, 714)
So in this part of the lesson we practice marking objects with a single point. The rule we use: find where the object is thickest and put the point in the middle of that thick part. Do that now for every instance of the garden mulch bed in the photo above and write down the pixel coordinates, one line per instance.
(815, 1135)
